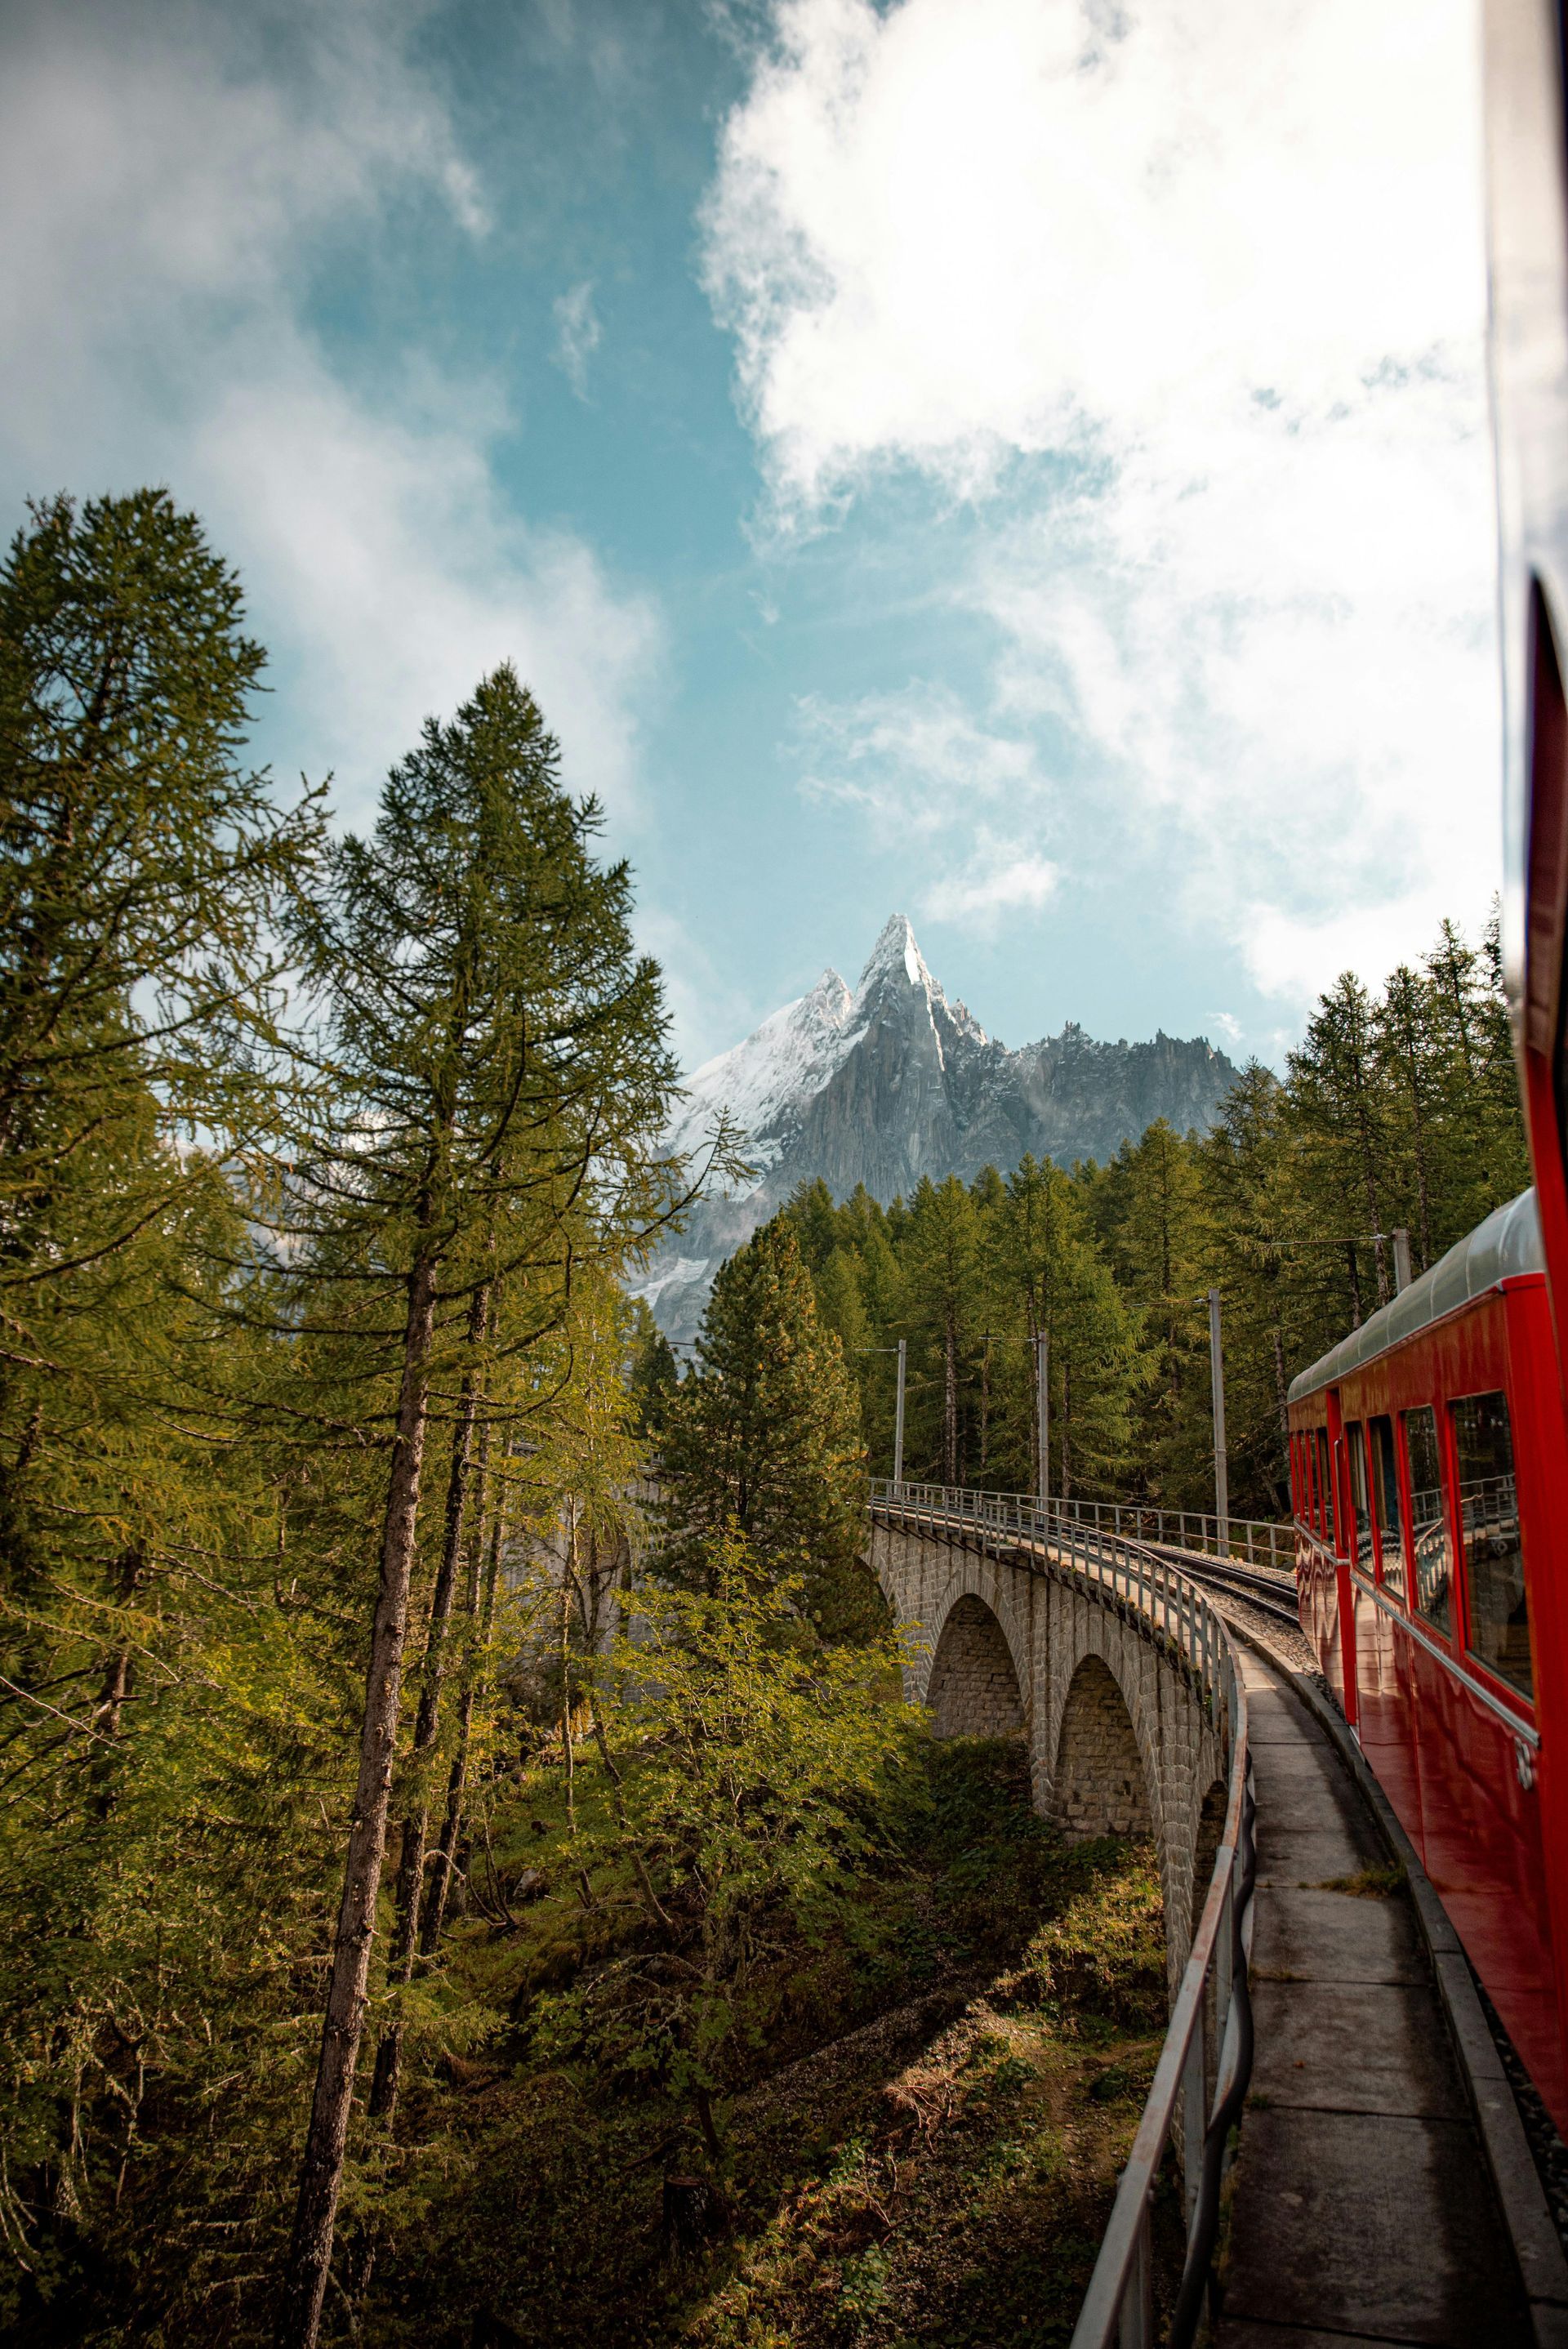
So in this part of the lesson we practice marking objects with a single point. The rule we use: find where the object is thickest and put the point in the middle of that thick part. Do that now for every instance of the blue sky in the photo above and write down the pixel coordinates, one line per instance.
(1020, 462)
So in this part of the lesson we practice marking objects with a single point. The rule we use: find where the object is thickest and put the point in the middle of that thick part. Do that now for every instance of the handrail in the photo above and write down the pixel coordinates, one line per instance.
(1119, 2306)
(1259, 1540)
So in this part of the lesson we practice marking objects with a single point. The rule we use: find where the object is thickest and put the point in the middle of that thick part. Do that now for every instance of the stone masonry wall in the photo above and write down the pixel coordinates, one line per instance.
(1100, 1788)
(974, 1689)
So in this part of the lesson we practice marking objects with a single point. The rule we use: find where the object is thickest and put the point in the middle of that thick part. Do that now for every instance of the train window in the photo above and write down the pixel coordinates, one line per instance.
(1325, 1483)
(1429, 1520)
(1494, 1561)
(1386, 1494)
(1356, 1452)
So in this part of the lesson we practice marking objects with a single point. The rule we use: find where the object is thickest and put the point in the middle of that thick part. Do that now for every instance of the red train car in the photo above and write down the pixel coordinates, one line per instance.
(1430, 1449)
(1430, 1479)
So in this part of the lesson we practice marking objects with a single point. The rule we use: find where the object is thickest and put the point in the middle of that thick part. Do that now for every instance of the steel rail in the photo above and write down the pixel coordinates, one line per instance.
(1266, 1593)
(1118, 2311)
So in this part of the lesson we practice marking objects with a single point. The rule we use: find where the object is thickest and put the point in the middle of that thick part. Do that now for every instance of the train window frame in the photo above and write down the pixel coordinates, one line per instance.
(1523, 1698)
(1392, 1575)
(1449, 1632)
(1324, 1456)
(1362, 1552)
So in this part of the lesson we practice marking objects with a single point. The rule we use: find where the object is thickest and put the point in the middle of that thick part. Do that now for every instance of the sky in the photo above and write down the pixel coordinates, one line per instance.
(1021, 463)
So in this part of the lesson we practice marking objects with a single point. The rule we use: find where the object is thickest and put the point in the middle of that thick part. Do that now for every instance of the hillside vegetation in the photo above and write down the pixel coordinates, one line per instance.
(453, 1897)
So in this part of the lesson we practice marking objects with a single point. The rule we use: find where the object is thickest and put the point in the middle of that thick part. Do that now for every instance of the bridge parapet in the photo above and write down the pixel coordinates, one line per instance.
(1119, 1675)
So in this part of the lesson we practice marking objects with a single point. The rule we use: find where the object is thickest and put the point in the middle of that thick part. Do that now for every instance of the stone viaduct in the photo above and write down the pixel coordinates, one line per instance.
(1010, 1643)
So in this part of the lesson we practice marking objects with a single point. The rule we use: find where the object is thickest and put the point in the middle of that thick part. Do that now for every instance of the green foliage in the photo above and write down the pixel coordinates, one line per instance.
(736, 1785)
(764, 1437)
(209, 1227)
(654, 1375)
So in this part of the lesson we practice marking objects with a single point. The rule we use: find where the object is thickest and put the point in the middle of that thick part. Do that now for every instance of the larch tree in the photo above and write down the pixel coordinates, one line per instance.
(496, 1073)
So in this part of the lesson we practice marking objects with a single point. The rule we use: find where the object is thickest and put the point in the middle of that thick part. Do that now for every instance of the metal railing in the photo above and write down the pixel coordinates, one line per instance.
(1258, 1541)
(1119, 2306)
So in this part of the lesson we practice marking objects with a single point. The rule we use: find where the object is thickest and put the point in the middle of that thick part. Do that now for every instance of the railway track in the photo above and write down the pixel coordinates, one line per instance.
(1271, 1594)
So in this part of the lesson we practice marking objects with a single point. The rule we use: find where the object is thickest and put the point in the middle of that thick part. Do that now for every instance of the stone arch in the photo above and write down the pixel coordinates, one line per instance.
(1099, 1786)
(973, 1689)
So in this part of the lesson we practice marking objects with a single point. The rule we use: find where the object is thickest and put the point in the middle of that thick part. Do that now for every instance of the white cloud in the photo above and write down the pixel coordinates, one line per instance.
(1186, 307)
(577, 335)
(915, 759)
(198, 163)
(1002, 877)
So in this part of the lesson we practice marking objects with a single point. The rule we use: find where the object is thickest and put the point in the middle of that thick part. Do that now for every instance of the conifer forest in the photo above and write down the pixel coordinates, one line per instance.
(469, 1875)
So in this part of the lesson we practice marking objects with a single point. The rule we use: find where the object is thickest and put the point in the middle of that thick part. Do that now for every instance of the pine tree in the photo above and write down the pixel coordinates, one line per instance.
(1148, 1207)
(765, 1438)
(142, 866)
(653, 1376)
(939, 1260)
(1049, 1280)
(1340, 1109)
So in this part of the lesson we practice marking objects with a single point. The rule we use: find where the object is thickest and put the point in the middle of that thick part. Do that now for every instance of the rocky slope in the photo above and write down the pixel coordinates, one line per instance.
(889, 1082)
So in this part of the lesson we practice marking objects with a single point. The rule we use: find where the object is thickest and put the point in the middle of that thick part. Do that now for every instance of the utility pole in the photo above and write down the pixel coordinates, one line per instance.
(898, 1418)
(1401, 1259)
(1217, 1380)
(902, 1351)
(1043, 1415)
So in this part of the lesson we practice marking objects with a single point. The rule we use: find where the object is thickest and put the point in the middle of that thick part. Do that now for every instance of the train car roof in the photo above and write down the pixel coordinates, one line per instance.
(1506, 1245)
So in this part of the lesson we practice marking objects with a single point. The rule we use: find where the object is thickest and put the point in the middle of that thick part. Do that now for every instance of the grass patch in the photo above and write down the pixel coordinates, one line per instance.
(1367, 1884)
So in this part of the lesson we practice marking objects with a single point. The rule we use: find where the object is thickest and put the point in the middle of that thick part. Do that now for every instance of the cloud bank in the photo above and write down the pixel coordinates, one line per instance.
(1178, 315)
(204, 169)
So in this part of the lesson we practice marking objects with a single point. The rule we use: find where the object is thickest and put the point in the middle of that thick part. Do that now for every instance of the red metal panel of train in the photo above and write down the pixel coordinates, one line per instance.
(1430, 1478)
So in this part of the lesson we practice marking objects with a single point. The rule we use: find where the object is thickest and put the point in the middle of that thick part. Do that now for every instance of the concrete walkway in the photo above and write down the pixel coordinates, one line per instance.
(1363, 2213)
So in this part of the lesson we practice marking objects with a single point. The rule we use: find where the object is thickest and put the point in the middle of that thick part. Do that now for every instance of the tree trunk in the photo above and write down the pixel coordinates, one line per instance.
(320, 2176)
(481, 1614)
(950, 1405)
(1281, 1392)
(417, 1815)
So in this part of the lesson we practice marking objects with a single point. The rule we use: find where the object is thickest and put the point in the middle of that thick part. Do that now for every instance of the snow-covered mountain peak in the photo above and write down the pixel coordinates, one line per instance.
(891, 1082)
(764, 1081)
(896, 955)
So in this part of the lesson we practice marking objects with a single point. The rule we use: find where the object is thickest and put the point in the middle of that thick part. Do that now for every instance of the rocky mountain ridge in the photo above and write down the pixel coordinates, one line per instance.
(889, 1082)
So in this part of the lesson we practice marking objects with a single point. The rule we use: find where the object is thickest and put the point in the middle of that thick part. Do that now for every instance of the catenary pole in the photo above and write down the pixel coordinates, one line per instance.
(1401, 1259)
(898, 1417)
(1042, 1413)
(1217, 1377)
